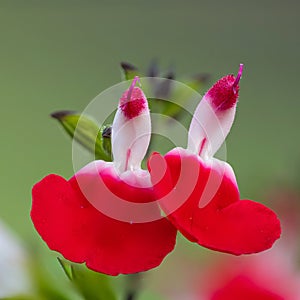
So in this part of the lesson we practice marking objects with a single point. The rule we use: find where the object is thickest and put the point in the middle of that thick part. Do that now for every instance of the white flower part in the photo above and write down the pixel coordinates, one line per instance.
(14, 275)
(209, 128)
(214, 116)
(131, 130)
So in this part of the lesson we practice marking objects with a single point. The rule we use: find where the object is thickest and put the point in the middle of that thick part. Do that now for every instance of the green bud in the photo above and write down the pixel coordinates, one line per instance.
(86, 132)
(129, 71)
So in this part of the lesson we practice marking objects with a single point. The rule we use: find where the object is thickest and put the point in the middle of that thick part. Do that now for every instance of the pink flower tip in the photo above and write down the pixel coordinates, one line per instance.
(238, 76)
(224, 93)
(133, 100)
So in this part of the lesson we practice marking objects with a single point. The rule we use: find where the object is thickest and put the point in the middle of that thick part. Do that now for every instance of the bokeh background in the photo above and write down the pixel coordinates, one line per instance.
(60, 54)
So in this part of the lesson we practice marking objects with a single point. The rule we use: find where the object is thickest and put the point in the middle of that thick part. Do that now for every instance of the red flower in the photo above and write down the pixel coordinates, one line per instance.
(272, 275)
(88, 218)
(199, 193)
(267, 276)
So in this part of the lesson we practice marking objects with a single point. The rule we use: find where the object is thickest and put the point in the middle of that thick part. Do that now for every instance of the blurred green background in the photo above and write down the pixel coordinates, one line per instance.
(57, 55)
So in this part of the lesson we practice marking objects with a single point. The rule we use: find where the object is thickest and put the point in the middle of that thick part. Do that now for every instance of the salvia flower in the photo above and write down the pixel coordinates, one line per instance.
(200, 194)
(267, 276)
(78, 217)
(272, 275)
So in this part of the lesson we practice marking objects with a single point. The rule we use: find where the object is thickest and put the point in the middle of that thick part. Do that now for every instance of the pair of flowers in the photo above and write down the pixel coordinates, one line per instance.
(109, 214)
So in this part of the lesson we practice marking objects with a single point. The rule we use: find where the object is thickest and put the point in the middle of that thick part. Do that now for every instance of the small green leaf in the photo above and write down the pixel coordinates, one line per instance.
(129, 71)
(67, 268)
(106, 138)
(92, 285)
(45, 284)
(86, 132)
(22, 297)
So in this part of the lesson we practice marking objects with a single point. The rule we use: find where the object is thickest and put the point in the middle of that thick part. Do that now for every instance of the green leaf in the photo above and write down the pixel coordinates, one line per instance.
(92, 285)
(45, 288)
(86, 132)
(48, 292)
(21, 297)
(67, 268)
(45, 284)
(129, 71)
(106, 138)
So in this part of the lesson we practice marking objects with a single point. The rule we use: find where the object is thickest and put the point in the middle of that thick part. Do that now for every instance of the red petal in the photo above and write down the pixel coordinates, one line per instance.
(69, 224)
(243, 227)
(244, 288)
(226, 223)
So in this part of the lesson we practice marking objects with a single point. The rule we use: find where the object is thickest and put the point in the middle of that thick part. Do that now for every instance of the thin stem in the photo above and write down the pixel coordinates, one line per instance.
(131, 295)
(134, 285)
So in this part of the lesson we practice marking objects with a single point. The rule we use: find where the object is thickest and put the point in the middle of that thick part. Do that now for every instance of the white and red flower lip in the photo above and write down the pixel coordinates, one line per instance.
(224, 93)
(131, 130)
(214, 116)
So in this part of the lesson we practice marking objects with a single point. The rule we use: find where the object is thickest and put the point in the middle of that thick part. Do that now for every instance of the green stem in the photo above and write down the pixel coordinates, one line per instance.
(134, 285)
(131, 295)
